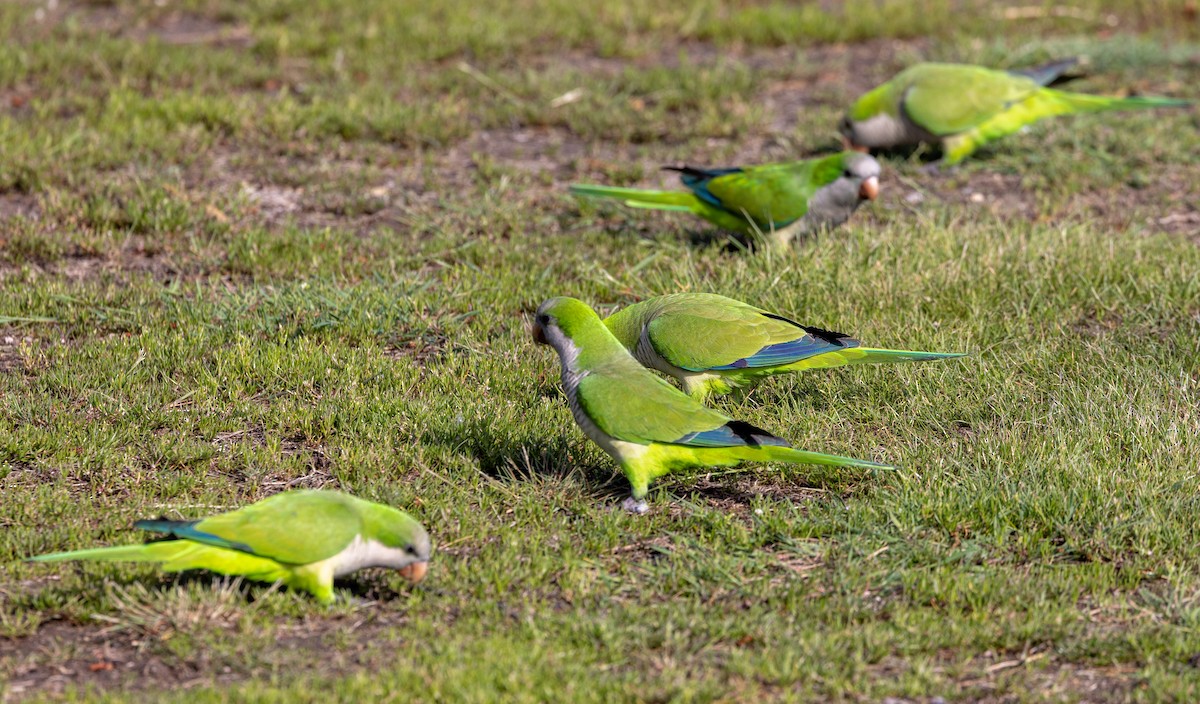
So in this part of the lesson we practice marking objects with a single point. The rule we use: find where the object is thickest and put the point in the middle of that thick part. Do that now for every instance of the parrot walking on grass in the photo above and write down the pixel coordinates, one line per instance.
(645, 424)
(303, 539)
(963, 107)
(776, 201)
(714, 344)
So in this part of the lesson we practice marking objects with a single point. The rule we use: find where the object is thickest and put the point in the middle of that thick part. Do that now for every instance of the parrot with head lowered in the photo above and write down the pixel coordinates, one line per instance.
(714, 344)
(303, 539)
(963, 107)
(645, 424)
(776, 201)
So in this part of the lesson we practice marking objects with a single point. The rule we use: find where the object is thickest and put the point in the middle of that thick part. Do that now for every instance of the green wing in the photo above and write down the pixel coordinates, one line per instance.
(637, 406)
(771, 193)
(298, 527)
(945, 99)
(701, 333)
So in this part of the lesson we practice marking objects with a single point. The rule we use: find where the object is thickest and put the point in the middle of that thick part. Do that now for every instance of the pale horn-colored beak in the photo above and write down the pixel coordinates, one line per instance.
(414, 572)
(869, 188)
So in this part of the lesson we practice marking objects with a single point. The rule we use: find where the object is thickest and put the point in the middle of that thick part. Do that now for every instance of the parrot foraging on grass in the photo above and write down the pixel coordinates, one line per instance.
(714, 344)
(776, 201)
(303, 539)
(963, 107)
(648, 426)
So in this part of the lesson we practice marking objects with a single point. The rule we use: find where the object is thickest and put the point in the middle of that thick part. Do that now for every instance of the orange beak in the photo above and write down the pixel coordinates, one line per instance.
(869, 188)
(415, 571)
(539, 334)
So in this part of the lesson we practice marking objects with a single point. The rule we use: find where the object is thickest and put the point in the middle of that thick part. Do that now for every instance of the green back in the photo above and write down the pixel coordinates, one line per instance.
(700, 330)
(945, 99)
(640, 407)
(774, 194)
(295, 527)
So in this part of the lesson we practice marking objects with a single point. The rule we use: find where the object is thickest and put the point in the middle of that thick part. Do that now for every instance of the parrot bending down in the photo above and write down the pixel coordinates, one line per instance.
(714, 344)
(645, 424)
(300, 538)
(963, 107)
(778, 201)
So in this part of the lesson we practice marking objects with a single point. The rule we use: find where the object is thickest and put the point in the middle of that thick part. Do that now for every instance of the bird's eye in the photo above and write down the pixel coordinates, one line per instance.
(847, 174)
(543, 319)
(410, 550)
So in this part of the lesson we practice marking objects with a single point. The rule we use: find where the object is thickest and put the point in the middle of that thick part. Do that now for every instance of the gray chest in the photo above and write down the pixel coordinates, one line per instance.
(882, 131)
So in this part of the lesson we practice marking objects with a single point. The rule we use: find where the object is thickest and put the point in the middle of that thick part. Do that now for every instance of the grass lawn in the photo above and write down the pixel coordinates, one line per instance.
(248, 246)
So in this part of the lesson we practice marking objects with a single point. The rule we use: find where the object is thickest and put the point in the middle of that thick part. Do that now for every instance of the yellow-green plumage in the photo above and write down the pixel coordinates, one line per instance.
(963, 107)
(778, 201)
(644, 423)
(715, 344)
(303, 539)
(181, 555)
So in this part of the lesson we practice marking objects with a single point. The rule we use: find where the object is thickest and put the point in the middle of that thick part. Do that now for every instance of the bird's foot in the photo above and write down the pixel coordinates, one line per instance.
(633, 505)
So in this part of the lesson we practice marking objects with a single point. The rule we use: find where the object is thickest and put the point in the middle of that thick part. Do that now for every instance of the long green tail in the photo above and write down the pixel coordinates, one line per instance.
(179, 555)
(1082, 102)
(791, 454)
(864, 355)
(871, 355)
(151, 552)
(1042, 104)
(637, 198)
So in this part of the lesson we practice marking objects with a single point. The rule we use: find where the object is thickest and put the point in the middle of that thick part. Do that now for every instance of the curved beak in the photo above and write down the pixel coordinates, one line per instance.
(539, 334)
(869, 188)
(414, 571)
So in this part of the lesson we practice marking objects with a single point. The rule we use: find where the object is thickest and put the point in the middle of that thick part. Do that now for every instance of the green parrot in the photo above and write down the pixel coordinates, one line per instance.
(778, 201)
(648, 426)
(963, 107)
(303, 539)
(714, 344)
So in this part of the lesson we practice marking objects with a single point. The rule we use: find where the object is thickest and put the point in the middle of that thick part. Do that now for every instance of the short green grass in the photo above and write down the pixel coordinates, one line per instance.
(247, 246)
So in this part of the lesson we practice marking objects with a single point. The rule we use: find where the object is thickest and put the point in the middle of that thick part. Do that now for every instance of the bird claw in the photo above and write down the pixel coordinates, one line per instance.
(633, 505)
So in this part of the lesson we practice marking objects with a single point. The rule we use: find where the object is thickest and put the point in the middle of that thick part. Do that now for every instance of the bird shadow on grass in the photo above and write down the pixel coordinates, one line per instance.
(736, 490)
(365, 586)
(514, 453)
(727, 242)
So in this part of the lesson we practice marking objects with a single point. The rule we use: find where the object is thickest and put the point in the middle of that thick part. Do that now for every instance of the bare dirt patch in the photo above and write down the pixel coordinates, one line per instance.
(14, 204)
(143, 22)
(131, 654)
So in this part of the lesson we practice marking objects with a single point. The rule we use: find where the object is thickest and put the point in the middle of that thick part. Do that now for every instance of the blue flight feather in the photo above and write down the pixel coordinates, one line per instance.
(788, 352)
(186, 530)
(697, 180)
(735, 433)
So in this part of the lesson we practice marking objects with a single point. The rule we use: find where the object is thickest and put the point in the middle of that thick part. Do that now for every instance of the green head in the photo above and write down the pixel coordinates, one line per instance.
(851, 177)
(563, 317)
(574, 330)
(402, 542)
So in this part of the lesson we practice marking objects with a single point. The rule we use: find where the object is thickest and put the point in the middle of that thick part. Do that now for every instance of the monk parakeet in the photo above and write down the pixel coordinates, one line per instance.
(714, 344)
(303, 539)
(648, 426)
(778, 201)
(963, 107)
